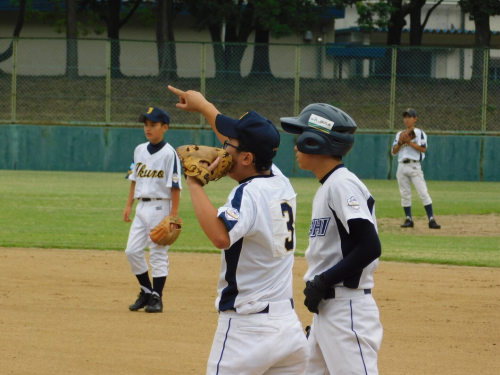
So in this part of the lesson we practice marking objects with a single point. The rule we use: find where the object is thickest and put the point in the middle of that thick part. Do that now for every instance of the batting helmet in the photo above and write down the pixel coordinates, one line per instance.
(323, 128)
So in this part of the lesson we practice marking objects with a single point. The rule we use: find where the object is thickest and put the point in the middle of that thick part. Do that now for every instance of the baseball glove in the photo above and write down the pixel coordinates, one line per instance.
(193, 159)
(162, 235)
(411, 134)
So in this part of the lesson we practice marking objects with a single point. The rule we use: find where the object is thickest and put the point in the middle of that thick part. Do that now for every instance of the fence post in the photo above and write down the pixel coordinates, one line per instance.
(485, 89)
(393, 87)
(297, 82)
(14, 81)
(203, 77)
(108, 81)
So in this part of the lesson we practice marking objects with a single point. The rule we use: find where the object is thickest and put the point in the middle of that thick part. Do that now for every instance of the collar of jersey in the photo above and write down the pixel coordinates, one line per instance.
(256, 176)
(153, 149)
(322, 181)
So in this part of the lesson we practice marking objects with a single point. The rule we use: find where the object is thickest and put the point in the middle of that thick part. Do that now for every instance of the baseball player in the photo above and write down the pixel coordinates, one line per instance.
(258, 330)
(343, 251)
(156, 185)
(411, 145)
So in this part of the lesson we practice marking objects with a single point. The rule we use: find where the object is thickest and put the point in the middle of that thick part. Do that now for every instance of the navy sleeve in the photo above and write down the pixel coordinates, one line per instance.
(367, 248)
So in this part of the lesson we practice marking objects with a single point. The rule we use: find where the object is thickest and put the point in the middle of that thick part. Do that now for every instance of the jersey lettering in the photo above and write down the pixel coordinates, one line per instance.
(143, 172)
(318, 227)
(287, 212)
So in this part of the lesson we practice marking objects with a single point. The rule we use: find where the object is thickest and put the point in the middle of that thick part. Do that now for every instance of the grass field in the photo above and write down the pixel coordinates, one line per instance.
(83, 210)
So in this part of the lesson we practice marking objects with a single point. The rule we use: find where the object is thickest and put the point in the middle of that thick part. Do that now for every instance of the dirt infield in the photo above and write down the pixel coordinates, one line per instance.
(65, 312)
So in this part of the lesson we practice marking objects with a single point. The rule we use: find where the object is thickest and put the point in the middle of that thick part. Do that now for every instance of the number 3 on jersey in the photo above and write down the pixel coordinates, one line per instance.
(287, 212)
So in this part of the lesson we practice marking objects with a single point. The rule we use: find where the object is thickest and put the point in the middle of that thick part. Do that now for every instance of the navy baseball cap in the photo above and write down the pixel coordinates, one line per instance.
(411, 112)
(155, 115)
(255, 133)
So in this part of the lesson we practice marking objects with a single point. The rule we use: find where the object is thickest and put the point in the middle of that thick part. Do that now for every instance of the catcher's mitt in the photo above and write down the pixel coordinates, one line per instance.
(192, 157)
(162, 235)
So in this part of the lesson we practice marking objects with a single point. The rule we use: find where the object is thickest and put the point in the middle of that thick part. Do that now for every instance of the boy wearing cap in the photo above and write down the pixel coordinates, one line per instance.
(156, 185)
(411, 145)
(258, 330)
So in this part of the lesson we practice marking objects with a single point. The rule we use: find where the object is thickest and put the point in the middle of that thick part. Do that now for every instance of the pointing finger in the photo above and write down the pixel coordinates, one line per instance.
(175, 90)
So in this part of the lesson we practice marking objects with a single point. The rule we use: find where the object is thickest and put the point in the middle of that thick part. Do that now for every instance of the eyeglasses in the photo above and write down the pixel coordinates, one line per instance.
(226, 143)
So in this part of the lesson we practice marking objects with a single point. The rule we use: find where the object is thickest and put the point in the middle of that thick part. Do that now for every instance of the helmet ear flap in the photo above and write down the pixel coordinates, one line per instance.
(312, 143)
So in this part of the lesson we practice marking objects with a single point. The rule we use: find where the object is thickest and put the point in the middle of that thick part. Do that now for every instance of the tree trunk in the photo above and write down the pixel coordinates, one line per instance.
(7, 54)
(396, 24)
(237, 32)
(416, 27)
(171, 49)
(260, 64)
(483, 39)
(113, 24)
(215, 34)
(71, 40)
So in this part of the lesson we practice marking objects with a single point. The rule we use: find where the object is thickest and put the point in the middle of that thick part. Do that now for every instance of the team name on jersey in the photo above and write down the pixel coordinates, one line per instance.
(143, 172)
(318, 227)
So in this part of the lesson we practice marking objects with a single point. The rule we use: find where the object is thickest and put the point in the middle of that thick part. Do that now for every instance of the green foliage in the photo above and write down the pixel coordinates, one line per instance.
(83, 210)
(480, 9)
(281, 18)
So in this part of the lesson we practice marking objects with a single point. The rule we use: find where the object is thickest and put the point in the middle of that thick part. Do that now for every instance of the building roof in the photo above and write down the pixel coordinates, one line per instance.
(407, 30)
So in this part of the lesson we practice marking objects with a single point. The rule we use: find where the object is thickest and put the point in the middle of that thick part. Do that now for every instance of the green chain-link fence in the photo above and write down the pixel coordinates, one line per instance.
(454, 90)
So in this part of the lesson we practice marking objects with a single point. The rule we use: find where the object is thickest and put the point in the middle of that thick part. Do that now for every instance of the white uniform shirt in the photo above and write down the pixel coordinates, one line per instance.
(155, 175)
(257, 267)
(341, 198)
(408, 152)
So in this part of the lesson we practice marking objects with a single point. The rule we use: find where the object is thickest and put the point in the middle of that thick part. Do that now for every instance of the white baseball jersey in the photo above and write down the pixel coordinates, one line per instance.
(407, 152)
(342, 197)
(155, 175)
(257, 267)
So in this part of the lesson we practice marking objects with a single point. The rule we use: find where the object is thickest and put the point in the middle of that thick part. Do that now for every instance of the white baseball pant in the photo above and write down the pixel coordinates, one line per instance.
(256, 344)
(147, 216)
(346, 335)
(408, 173)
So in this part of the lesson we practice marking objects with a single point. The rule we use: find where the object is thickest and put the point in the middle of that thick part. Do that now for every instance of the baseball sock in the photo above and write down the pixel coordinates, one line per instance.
(145, 282)
(428, 208)
(408, 212)
(158, 284)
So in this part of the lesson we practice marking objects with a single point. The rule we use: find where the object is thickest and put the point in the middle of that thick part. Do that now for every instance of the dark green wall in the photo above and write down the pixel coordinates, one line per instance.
(78, 148)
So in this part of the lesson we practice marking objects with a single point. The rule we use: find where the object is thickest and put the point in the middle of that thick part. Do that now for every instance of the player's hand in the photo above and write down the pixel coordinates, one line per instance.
(190, 101)
(126, 214)
(315, 293)
(210, 167)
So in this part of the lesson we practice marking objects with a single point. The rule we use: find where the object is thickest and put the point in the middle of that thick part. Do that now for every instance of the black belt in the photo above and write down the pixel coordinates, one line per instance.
(331, 293)
(151, 199)
(266, 310)
(406, 161)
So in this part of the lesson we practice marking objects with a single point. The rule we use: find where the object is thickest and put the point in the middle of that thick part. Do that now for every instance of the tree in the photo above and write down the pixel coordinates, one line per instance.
(167, 61)
(7, 54)
(279, 19)
(480, 11)
(265, 17)
(416, 27)
(238, 18)
(109, 11)
(71, 40)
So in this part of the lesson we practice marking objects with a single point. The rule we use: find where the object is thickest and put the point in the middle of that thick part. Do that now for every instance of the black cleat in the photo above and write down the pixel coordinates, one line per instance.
(433, 224)
(142, 300)
(408, 223)
(155, 305)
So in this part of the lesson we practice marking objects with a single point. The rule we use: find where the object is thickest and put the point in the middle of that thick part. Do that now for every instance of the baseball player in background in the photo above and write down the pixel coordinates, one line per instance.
(156, 186)
(411, 145)
(258, 330)
(343, 251)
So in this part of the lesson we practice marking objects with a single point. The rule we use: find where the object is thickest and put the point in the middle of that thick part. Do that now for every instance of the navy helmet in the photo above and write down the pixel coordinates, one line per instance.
(323, 128)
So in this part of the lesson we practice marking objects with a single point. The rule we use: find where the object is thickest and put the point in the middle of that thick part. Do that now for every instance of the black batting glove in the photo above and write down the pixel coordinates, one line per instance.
(315, 292)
